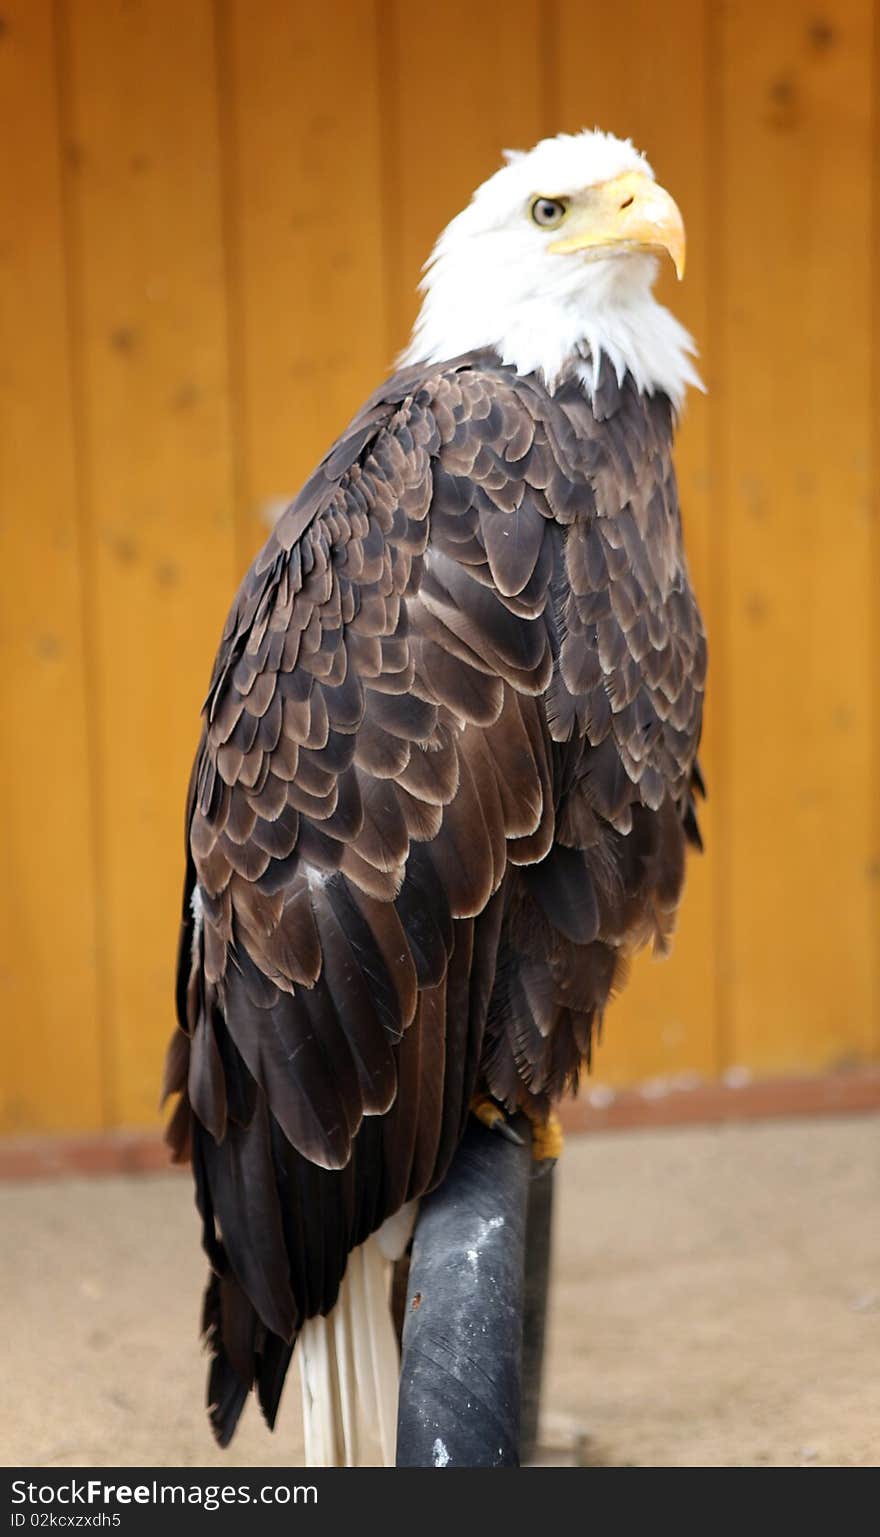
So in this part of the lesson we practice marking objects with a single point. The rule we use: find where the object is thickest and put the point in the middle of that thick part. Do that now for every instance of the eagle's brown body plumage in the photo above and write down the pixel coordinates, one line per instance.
(443, 789)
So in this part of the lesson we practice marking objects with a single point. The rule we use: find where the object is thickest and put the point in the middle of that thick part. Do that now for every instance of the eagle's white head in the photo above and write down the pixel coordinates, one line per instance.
(552, 264)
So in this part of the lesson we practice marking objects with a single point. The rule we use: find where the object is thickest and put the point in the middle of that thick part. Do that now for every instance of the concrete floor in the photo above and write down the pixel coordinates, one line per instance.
(716, 1303)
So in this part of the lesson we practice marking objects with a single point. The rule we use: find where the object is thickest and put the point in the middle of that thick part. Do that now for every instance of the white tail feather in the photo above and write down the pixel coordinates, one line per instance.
(349, 1368)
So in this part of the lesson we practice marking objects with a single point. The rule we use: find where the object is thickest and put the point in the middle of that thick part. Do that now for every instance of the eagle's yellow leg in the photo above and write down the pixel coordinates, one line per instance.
(547, 1138)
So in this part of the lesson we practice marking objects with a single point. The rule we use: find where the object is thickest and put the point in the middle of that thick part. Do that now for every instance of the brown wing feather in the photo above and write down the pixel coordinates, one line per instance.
(444, 774)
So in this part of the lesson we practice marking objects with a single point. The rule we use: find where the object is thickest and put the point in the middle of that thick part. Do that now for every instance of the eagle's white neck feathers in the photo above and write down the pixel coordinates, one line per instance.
(491, 282)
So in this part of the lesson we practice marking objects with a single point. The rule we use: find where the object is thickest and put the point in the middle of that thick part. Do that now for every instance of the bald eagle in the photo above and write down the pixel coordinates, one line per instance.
(446, 775)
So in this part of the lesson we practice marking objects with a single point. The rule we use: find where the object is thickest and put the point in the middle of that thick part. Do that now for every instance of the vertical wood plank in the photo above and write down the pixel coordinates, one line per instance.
(464, 83)
(643, 74)
(795, 366)
(301, 110)
(142, 120)
(52, 1068)
(875, 518)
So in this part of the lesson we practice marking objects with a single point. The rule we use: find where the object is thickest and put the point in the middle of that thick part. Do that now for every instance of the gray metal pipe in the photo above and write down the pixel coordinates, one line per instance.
(460, 1377)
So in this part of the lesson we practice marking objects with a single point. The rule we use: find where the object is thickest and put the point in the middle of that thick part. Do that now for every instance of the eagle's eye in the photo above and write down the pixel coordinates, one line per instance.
(547, 212)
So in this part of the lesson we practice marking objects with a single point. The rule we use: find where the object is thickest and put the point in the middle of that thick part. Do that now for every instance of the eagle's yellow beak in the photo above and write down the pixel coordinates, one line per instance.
(629, 213)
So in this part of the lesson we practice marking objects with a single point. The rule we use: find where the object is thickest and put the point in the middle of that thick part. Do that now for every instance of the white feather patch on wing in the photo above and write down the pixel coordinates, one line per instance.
(197, 908)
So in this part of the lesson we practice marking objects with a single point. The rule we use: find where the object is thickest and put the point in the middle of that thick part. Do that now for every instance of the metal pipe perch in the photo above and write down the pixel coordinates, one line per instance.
(460, 1380)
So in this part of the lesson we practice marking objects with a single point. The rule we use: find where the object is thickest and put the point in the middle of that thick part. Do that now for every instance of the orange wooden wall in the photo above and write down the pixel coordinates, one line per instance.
(212, 218)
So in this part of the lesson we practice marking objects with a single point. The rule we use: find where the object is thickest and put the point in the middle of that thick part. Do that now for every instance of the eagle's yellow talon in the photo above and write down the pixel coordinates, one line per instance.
(547, 1139)
(492, 1116)
(486, 1110)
